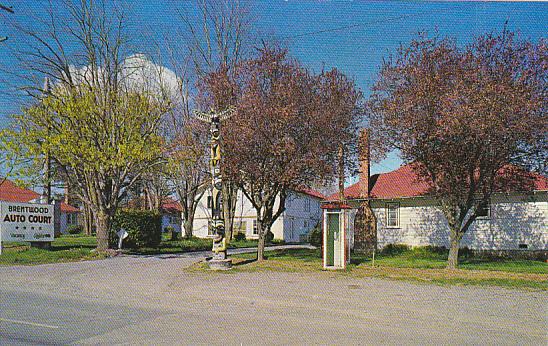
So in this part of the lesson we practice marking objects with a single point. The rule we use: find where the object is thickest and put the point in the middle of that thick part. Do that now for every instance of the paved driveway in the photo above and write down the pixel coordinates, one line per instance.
(154, 301)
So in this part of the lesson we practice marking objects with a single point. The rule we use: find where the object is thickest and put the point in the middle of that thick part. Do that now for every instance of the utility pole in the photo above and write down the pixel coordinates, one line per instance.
(47, 161)
(10, 10)
(219, 260)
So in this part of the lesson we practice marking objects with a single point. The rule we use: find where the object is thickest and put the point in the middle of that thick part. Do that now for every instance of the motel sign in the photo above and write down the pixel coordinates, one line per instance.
(26, 222)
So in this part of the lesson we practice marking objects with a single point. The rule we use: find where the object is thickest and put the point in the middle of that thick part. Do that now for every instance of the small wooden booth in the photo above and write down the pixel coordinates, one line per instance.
(336, 235)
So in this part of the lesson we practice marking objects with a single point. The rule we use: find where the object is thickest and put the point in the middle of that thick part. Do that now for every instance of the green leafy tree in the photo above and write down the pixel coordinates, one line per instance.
(103, 146)
(98, 122)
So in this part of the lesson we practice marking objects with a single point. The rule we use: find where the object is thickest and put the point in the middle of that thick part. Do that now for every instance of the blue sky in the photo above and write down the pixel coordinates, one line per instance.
(373, 30)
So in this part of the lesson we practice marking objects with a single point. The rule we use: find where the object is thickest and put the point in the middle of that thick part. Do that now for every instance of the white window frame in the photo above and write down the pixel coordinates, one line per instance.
(392, 204)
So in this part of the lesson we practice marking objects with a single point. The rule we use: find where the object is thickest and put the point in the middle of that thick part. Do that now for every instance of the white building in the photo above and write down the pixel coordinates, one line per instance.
(302, 214)
(406, 215)
(171, 215)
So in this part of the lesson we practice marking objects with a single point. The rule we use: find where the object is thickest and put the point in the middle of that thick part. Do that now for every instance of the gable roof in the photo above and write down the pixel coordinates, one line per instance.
(67, 208)
(404, 182)
(13, 193)
(312, 193)
(170, 205)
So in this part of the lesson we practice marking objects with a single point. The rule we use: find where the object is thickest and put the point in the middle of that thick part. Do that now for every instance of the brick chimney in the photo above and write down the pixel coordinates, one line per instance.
(365, 163)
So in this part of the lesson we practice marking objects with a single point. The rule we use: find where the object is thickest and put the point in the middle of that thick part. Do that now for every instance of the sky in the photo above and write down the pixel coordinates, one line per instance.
(353, 36)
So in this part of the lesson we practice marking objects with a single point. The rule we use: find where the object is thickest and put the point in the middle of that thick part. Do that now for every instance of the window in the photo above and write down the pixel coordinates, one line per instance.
(393, 214)
(71, 219)
(209, 202)
(307, 204)
(483, 210)
(255, 229)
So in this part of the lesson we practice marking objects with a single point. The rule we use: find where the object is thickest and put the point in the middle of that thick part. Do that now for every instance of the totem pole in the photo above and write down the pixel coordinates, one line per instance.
(214, 119)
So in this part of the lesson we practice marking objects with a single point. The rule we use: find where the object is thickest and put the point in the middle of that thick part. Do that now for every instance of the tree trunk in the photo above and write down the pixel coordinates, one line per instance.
(230, 198)
(173, 235)
(453, 260)
(102, 222)
(188, 224)
(262, 242)
(88, 220)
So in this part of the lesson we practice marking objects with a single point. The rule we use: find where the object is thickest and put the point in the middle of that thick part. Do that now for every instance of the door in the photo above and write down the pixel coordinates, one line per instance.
(333, 238)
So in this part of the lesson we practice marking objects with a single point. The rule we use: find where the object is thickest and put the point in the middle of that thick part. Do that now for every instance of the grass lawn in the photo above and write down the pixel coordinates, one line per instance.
(417, 265)
(69, 248)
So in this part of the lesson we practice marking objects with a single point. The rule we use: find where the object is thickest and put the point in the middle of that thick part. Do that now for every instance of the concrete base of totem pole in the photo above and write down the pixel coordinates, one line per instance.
(220, 264)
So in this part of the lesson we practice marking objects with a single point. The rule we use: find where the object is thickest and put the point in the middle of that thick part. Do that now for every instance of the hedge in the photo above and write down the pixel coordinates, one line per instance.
(315, 237)
(75, 229)
(144, 228)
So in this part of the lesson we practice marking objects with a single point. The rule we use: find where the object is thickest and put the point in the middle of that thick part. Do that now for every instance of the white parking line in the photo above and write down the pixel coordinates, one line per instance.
(28, 323)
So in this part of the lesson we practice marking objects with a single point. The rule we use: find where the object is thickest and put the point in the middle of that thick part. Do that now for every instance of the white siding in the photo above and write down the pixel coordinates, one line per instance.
(302, 214)
(513, 221)
(171, 220)
(297, 214)
(65, 224)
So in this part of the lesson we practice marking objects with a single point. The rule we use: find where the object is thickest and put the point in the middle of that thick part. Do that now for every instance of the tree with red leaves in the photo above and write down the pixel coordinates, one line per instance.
(464, 114)
(285, 131)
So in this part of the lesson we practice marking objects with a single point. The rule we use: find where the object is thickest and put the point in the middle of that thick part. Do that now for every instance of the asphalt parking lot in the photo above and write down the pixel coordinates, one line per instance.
(154, 300)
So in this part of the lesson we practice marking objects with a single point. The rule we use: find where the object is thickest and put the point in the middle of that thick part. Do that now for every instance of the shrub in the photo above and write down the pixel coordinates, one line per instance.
(269, 237)
(240, 236)
(144, 228)
(315, 237)
(172, 233)
(394, 249)
(75, 229)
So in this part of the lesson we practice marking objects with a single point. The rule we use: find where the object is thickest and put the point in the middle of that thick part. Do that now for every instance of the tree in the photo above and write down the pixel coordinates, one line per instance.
(282, 136)
(8, 157)
(103, 148)
(463, 115)
(100, 121)
(187, 167)
(342, 110)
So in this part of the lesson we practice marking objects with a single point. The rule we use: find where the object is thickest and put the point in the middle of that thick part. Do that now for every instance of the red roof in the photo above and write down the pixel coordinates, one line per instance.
(404, 182)
(67, 208)
(171, 206)
(312, 193)
(13, 193)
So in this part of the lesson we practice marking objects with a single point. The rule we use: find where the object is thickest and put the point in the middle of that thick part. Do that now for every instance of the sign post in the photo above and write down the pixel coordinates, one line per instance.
(122, 234)
(26, 222)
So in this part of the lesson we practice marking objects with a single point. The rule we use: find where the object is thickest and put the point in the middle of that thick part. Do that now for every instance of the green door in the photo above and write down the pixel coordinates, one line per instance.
(333, 230)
